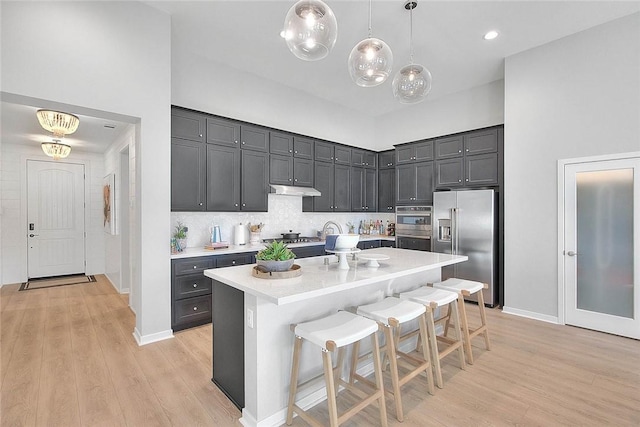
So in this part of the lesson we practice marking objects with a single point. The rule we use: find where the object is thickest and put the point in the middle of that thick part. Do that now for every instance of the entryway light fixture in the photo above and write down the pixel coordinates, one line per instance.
(412, 83)
(56, 149)
(370, 61)
(310, 30)
(59, 123)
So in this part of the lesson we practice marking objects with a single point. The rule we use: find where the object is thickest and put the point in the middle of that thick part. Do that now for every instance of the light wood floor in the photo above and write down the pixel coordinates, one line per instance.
(68, 358)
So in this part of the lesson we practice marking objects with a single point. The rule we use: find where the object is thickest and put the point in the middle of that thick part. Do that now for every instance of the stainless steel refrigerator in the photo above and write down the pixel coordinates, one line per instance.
(464, 223)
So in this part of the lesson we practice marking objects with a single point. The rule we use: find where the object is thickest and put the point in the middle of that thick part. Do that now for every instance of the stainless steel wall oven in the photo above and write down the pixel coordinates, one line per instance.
(413, 227)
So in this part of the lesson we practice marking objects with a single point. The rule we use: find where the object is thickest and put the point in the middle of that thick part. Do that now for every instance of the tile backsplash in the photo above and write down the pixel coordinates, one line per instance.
(285, 213)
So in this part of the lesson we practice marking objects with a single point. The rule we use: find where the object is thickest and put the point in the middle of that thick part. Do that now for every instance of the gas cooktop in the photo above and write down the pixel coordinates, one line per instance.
(298, 240)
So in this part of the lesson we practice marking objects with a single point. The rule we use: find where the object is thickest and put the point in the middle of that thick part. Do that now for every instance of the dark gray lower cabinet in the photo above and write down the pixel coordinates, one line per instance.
(368, 244)
(190, 292)
(309, 251)
(228, 342)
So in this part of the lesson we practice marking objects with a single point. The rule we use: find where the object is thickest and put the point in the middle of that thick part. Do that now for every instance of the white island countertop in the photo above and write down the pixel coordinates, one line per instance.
(319, 279)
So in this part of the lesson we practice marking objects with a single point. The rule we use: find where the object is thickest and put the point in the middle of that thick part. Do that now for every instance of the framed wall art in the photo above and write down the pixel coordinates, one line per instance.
(108, 203)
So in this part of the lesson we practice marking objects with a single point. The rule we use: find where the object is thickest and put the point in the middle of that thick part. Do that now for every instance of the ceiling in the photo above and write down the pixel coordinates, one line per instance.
(447, 37)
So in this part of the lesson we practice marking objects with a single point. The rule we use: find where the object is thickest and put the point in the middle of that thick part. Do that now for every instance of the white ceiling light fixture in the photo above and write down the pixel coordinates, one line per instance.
(56, 149)
(370, 61)
(59, 123)
(412, 82)
(310, 30)
(490, 35)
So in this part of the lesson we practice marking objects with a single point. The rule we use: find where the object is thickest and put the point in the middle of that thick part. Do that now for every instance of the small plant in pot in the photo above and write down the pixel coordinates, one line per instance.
(181, 236)
(276, 256)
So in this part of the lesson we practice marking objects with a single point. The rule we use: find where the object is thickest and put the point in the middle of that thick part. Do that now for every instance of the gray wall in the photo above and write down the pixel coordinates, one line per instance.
(577, 96)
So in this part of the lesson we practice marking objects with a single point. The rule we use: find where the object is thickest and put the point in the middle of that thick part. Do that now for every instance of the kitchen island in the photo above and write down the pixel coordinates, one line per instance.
(252, 318)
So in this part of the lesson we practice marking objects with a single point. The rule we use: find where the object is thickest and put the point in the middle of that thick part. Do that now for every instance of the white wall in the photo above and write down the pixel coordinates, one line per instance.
(113, 243)
(13, 221)
(577, 96)
(113, 57)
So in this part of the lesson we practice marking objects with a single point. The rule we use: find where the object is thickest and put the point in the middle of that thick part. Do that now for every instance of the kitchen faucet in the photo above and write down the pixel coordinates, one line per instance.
(324, 229)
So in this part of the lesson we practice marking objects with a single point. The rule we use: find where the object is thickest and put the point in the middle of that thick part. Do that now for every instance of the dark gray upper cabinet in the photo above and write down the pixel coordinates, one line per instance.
(450, 173)
(254, 138)
(188, 125)
(281, 170)
(342, 193)
(363, 190)
(254, 181)
(414, 183)
(223, 178)
(449, 147)
(222, 131)
(303, 147)
(481, 142)
(324, 151)
(371, 190)
(387, 159)
(281, 143)
(323, 182)
(357, 157)
(342, 155)
(481, 169)
(370, 159)
(414, 152)
(302, 172)
(386, 190)
(188, 175)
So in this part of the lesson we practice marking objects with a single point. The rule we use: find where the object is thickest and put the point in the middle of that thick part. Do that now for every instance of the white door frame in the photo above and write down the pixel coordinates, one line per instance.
(561, 213)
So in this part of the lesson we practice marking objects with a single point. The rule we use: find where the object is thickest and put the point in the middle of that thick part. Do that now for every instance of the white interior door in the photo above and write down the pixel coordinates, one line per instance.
(55, 210)
(602, 245)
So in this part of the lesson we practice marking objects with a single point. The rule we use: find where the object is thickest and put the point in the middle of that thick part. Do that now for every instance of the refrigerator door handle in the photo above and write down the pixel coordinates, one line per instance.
(454, 231)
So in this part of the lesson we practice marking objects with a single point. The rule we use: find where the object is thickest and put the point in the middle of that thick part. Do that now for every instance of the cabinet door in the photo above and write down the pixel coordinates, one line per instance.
(369, 244)
(223, 178)
(341, 192)
(357, 157)
(280, 143)
(254, 181)
(370, 159)
(449, 173)
(405, 184)
(342, 155)
(357, 187)
(424, 182)
(254, 138)
(188, 175)
(370, 190)
(303, 148)
(302, 172)
(323, 182)
(450, 147)
(221, 131)
(324, 151)
(485, 141)
(387, 159)
(280, 170)
(386, 190)
(308, 251)
(188, 125)
(423, 151)
(481, 169)
(405, 154)
(230, 260)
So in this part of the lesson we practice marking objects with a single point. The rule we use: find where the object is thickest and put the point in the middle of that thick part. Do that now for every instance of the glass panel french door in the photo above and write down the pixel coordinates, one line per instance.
(601, 246)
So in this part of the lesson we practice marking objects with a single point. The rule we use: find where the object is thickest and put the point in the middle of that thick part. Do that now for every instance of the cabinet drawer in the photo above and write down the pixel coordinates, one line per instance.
(233, 259)
(192, 266)
(192, 286)
(192, 309)
(369, 244)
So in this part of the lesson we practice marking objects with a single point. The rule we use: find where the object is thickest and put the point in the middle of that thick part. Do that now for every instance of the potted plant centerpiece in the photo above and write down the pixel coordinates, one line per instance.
(276, 256)
(181, 236)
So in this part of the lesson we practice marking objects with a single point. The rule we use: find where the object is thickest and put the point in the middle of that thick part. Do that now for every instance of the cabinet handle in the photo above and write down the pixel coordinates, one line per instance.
(289, 179)
(195, 266)
(467, 180)
(331, 158)
(467, 150)
(235, 142)
(195, 285)
(200, 203)
(233, 262)
(244, 204)
(296, 180)
(366, 207)
(195, 308)
(236, 205)
(459, 180)
(243, 142)
(200, 135)
(362, 207)
(460, 151)
(295, 152)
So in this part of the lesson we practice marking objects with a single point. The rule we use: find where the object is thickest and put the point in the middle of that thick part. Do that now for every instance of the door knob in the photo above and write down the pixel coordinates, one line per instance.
(572, 253)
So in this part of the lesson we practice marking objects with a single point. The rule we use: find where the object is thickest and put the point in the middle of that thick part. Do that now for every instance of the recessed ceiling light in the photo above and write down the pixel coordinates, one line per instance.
(490, 35)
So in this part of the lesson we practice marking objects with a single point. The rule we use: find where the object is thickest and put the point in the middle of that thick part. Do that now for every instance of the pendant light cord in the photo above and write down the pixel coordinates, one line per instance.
(370, 18)
(411, 35)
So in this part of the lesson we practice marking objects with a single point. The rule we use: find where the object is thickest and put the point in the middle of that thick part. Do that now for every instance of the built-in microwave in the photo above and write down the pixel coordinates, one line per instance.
(413, 227)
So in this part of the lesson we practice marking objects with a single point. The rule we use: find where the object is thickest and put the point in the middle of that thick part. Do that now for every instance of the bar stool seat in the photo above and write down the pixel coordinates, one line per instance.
(391, 313)
(467, 288)
(432, 299)
(332, 333)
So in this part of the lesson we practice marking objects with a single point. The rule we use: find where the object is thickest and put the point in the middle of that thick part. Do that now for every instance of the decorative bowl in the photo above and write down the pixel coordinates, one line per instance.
(338, 242)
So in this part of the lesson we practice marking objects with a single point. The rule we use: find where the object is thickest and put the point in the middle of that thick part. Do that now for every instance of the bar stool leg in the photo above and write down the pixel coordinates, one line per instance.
(425, 352)
(331, 389)
(354, 361)
(293, 385)
(393, 361)
(337, 371)
(458, 332)
(483, 318)
(378, 372)
(433, 344)
(465, 326)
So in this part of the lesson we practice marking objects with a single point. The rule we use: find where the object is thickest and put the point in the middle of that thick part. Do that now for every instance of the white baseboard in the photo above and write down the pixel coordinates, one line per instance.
(151, 338)
(530, 315)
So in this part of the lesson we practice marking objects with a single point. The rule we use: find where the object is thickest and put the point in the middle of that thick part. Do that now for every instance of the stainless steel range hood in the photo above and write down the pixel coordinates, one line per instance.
(289, 190)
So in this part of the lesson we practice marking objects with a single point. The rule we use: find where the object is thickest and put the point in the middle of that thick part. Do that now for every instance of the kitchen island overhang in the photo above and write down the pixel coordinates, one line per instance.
(269, 307)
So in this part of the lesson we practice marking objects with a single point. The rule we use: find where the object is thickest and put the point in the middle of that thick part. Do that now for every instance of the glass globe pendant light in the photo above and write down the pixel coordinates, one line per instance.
(310, 30)
(412, 83)
(370, 61)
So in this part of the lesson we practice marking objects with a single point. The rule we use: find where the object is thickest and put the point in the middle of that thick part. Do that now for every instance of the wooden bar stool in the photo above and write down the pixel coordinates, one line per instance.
(332, 333)
(432, 299)
(466, 288)
(390, 313)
